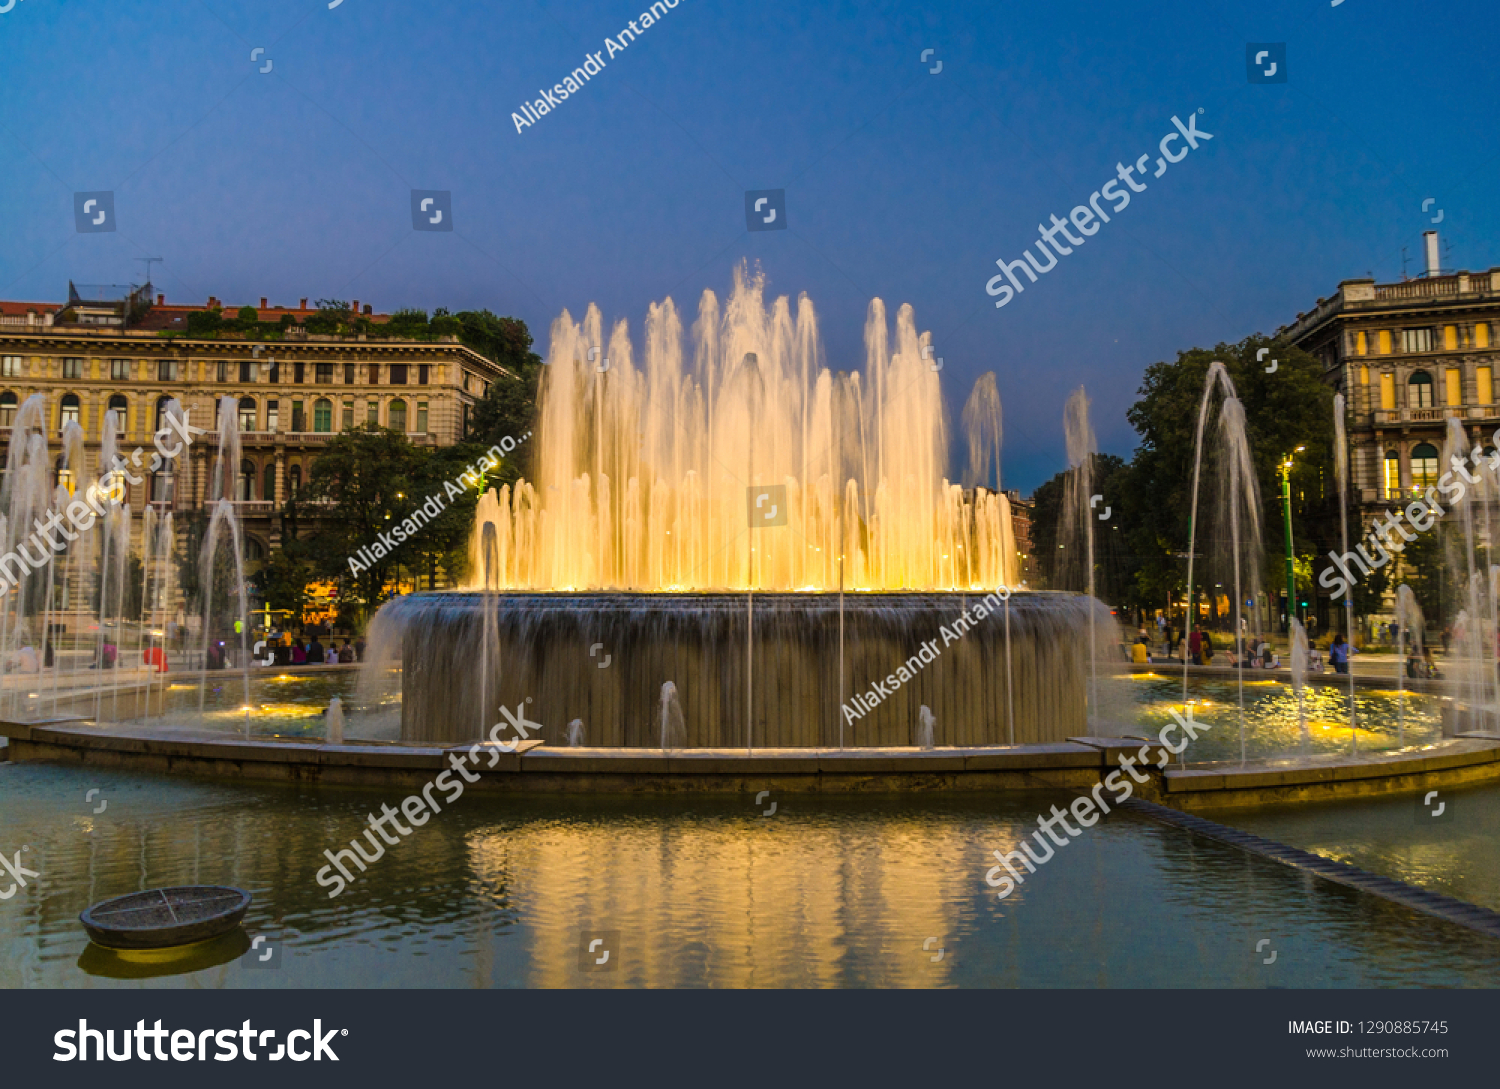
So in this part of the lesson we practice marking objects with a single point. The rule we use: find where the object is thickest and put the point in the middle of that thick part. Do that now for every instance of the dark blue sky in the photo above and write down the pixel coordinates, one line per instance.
(899, 183)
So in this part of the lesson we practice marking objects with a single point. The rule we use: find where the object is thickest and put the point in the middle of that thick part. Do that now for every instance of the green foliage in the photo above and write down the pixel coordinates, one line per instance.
(248, 316)
(331, 318)
(205, 323)
(366, 483)
(281, 583)
(1289, 408)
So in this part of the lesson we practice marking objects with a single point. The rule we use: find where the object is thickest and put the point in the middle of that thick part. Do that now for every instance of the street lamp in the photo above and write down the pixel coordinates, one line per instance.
(1286, 512)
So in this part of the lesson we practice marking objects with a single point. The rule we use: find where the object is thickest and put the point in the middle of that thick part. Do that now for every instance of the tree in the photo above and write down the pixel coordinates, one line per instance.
(1285, 409)
(281, 583)
(365, 489)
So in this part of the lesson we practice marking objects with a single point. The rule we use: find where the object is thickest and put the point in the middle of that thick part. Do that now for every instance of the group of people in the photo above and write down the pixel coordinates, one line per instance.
(310, 651)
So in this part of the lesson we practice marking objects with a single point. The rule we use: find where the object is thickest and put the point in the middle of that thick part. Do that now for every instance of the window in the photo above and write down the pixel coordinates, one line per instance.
(348, 374)
(10, 366)
(120, 406)
(421, 417)
(463, 420)
(8, 402)
(1385, 342)
(1455, 380)
(1484, 380)
(268, 482)
(1450, 338)
(70, 409)
(1416, 340)
(275, 375)
(324, 373)
(255, 552)
(119, 370)
(245, 485)
(1482, 335)
(297, 416)
(72, 368)
(396, 416)
(1361, 344)
(398, 374)
(247, 414)
(161, 411)
(1392, 475)
(164, 370)
(62, 476)
(294, 479)
(1424, 468)
(372, 414)
(223, 374)
(247, 370)
(299, 371)
(1388, 391)
(161, 486)
(323, 415)
(1419, 390)
(348, 415)
(273, 415)
(374, 374)
(422, 372)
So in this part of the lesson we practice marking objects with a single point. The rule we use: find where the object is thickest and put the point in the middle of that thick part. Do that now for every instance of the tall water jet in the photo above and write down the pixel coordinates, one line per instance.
(1341, 479)
(1473, 665)
(1078, 521)
(983, 432)
(225, 524)
(1408, 619)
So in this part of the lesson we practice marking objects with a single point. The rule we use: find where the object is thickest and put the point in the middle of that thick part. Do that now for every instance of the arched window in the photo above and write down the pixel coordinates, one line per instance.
(268, 482)
(8, 403)
(294, 479)
(1419, 390)
(119, 404)
(323, 415)
(1392, 478)
(396, 416)
(1424, 467)
(255, 552)
(70, 409)
(247, 414)
(245, 486)
(161, 412)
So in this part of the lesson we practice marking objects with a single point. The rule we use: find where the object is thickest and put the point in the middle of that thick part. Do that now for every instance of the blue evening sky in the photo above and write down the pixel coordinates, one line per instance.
(900, 183)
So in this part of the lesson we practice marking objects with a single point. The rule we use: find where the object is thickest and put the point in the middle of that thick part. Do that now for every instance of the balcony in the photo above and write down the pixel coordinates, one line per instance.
(246, 508)
(1387, 417)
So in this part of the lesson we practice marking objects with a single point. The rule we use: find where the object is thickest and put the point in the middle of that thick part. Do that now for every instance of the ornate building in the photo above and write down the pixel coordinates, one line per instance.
(291, 394)
(1408, 357)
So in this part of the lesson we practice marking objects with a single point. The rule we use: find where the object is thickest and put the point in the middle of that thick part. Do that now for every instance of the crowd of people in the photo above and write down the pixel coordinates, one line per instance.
(1254, 652)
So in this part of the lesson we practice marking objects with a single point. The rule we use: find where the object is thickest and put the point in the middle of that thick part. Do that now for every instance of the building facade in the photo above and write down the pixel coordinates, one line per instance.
(290, 395)
(1408, 357)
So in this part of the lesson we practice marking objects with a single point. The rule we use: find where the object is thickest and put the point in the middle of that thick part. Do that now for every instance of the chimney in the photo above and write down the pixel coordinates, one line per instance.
(1430, 244)
(356, 306)
(212, 302)
(161, 299)
(368, 308)
(303, 306)
(263, 303)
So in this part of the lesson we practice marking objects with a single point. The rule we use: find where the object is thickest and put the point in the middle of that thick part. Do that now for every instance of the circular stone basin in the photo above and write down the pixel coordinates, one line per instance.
(161, 918)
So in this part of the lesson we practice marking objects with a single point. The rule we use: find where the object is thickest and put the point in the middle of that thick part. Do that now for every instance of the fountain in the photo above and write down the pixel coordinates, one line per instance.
(926, 726)
(1341, 479)
(1299, 658)
(627, 562)
(1408, 619)
(334, 721)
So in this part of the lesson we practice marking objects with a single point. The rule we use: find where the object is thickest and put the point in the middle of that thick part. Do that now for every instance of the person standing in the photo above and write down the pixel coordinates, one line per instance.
(1338, 654)
(1195, 647)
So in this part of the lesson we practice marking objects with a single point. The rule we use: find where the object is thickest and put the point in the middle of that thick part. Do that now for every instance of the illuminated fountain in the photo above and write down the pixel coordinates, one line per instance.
(722, 513)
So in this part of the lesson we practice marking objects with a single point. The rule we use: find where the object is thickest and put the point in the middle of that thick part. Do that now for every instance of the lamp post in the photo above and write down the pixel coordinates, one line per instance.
(1286, 513)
